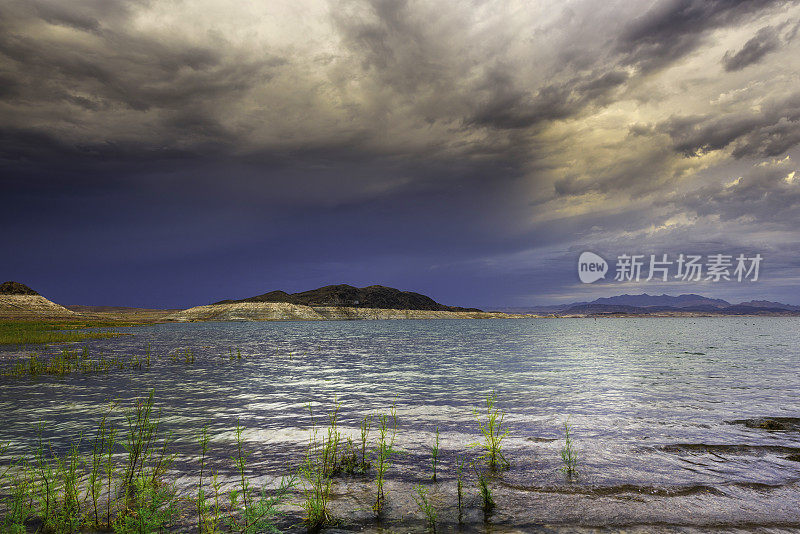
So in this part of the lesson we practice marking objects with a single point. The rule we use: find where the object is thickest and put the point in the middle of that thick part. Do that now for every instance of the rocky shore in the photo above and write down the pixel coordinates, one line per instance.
(282, 311)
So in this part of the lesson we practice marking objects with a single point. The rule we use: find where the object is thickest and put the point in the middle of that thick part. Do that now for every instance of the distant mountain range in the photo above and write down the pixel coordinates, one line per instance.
(345, 295)
(20, 301)
(645, 304)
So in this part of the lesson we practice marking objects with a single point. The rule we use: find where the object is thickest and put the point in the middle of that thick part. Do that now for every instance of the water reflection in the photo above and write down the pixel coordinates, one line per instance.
(651, 402)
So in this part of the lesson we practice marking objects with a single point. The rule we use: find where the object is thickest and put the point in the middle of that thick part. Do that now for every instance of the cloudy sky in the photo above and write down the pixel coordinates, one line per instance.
(172, 153)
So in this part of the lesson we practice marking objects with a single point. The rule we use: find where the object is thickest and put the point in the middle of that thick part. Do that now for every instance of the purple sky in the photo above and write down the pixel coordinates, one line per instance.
(168, 154)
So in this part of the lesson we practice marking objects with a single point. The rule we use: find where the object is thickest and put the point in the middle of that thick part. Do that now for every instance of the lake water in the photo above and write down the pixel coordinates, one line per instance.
(652, 403)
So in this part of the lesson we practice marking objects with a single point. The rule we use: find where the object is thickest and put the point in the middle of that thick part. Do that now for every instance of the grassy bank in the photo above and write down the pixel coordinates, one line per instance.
(37, 332)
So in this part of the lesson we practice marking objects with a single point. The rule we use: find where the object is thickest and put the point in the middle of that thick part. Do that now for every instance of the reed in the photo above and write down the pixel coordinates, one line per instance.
(63, 493)
(68, 517)
(240, 461)
(485, 492)
(45, 489)
(349, 460)
(386, 438)
(108, 467)
(95, 483)
(213, 520)
(19, 505)
(568, 456)
(316, 472)
(150, 508)
(330, 448)
(200, 502)
(69, 361)
(435, 454)
(460, 486)
(261, 514)
(248, 515)
(140, 444)
(491, 427)
(366, 425)
(426, 506)
(37, 332)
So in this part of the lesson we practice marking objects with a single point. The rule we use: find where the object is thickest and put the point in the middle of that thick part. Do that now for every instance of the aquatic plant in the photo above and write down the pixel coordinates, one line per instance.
(110, 447)
(354, 459)
(491, 427)
(366, 425)
(348, 461)
(386, 438)
(330, 445)
(139, 438)
(435, 454)
(426, 506)
(316, 471)
(568, 456)
(259, 517)
(68, 502)
(460, 486)
(18, 506)
(186, 355)
(151, 508)
(487, 500)
(63, 493)
(213, 518)
(240, 460)
(69, 361)
(253, 515)
(200, 501)
(37, 332)
(94, 481)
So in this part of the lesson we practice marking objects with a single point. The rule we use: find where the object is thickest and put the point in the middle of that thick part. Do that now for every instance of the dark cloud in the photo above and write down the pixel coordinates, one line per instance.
(768, 194)
(764, 42)
(768, 133)
(675, 28)
(508, 108)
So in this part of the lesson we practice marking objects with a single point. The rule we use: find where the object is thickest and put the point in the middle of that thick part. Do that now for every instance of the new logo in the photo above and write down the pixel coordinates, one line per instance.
(591, 267)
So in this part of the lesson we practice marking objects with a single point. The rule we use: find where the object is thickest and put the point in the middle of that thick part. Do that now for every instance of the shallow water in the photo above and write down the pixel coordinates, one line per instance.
(651, 402)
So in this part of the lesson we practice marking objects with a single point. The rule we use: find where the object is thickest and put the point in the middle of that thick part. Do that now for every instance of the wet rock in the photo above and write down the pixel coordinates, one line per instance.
(772, 424)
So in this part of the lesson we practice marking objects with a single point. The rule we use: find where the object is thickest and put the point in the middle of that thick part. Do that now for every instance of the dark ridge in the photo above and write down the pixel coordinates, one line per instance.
(644, 300)
(355, 297)
(610, 309)
(15, 288)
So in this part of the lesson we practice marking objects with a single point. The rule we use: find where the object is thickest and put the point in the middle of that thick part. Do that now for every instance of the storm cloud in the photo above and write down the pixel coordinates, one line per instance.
(434, 146)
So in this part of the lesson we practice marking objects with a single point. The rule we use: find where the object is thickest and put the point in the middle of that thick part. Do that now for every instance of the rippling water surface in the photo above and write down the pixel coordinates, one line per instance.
(653, 404)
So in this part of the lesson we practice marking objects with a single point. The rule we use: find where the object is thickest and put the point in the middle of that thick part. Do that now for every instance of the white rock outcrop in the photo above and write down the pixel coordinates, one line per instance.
(32, 307)
(280, 311)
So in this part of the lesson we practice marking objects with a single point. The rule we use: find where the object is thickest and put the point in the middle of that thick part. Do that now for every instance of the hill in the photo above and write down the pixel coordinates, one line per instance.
(343, 295)
(18, 301)
(15, 288)
(644, 300)
(688, 304)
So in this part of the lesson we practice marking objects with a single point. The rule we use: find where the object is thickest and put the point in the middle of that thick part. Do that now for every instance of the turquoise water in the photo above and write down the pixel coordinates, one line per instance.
(652, 403)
